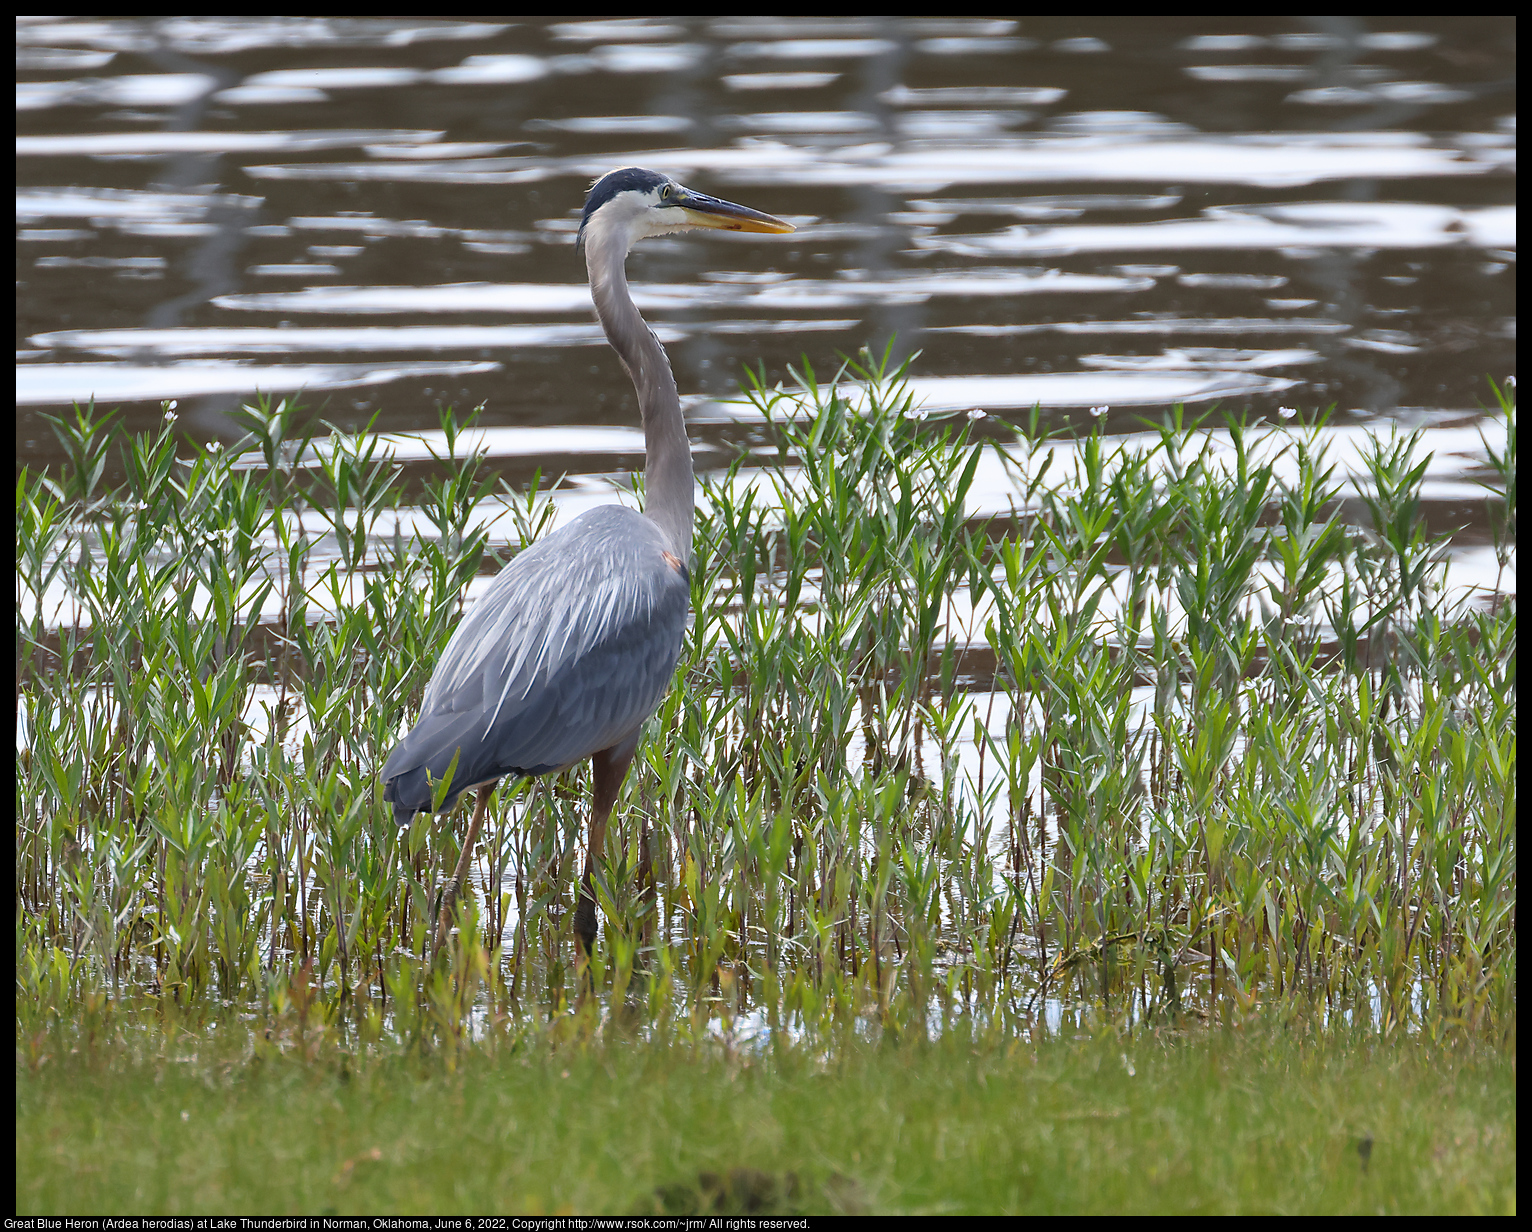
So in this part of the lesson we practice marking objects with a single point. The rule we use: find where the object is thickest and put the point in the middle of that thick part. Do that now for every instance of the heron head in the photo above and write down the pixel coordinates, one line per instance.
(633, 202)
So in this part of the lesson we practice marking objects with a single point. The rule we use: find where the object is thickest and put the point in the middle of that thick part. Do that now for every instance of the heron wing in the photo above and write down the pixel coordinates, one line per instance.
(567, 654)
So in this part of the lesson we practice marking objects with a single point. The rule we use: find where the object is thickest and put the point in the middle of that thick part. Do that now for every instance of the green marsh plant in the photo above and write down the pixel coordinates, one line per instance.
(1172, 739)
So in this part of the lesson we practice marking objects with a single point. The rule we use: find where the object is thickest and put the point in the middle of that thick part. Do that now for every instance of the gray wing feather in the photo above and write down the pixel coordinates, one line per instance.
(568, 652)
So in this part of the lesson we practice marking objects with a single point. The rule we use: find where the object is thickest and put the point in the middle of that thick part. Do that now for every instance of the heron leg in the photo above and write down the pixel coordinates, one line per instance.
(460, 874)
(610, 767)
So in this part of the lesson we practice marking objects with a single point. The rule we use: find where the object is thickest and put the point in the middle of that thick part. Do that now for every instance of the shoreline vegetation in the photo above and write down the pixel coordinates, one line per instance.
(1194, 748)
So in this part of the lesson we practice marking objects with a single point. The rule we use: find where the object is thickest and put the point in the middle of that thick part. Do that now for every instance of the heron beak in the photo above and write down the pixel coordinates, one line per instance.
(704, 211)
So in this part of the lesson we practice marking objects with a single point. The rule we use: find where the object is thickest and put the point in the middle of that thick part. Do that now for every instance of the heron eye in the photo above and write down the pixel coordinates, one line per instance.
(665, 193)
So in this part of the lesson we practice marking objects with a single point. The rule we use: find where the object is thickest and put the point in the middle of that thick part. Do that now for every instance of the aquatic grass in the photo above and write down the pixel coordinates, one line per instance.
(1175, 738)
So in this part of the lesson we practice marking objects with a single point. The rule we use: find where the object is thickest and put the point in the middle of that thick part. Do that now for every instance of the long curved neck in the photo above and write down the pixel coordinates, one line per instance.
(668, 480)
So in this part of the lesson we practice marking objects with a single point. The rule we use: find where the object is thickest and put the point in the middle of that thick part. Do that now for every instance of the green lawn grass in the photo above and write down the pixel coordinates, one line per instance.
(1232, 1121)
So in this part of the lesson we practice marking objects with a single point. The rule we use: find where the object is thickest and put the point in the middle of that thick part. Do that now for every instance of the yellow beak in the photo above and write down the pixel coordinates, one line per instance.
(705, 211)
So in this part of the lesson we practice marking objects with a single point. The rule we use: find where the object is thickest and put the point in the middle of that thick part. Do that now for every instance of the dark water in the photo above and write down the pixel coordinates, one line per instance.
(1081, 212)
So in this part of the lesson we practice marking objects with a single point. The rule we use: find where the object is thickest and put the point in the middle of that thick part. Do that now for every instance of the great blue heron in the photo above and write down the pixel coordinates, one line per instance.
(576, 640)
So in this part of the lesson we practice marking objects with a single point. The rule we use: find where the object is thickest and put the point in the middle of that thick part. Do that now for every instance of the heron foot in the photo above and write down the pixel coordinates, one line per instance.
(444, 917)
(585, 925)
